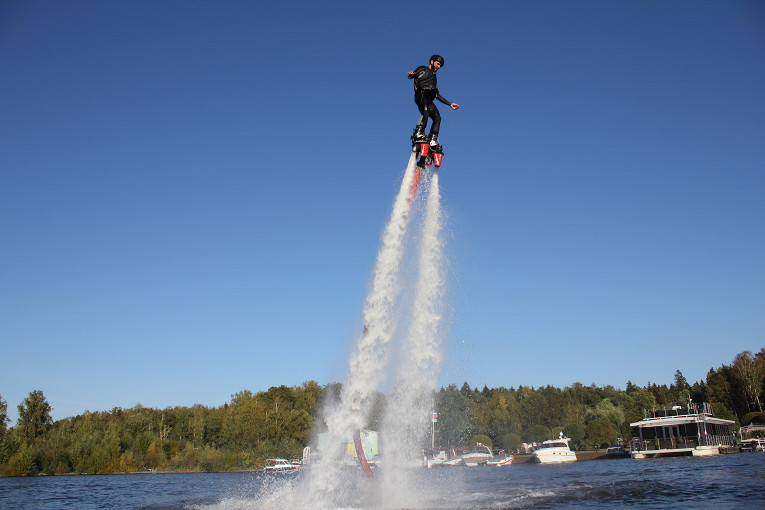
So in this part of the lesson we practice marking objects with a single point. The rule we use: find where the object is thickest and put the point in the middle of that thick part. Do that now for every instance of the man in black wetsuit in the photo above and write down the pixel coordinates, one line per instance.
(425, 91)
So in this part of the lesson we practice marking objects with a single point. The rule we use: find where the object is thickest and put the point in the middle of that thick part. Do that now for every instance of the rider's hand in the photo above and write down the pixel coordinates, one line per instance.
(454, 106)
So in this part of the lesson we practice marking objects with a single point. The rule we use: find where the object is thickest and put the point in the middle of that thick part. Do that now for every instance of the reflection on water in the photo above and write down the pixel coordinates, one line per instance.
(727, 481)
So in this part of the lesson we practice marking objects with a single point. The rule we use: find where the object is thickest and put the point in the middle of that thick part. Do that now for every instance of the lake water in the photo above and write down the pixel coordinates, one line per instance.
(720, 482)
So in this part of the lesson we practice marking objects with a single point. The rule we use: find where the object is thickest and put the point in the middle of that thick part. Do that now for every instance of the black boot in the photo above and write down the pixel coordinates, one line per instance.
(419, 134)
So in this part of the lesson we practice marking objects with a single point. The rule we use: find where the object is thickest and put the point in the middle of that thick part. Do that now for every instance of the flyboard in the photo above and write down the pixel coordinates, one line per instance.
(428, 155)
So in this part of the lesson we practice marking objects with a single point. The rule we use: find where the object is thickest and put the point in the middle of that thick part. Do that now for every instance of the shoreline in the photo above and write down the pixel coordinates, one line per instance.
(517, 459)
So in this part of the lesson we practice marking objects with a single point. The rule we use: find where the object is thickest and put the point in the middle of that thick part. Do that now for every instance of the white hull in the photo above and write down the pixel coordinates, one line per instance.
(478, 457)
(554, 451)
(280, 466)
(699, 451)
(476, 460)
(554, 457)
(501, 462)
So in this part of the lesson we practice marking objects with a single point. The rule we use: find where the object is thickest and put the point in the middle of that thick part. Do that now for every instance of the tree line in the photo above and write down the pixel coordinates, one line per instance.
(279, 422)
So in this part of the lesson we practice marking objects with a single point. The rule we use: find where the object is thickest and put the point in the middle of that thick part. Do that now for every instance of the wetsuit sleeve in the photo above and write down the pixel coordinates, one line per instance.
(443, 100)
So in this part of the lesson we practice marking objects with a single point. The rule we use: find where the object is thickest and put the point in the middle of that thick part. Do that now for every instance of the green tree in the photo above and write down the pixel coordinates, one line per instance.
(576, 432)
(25, 462)
(639, 399)
(606, 410)
(511, 442)
(723, 390)
(3, 417)
(454, 414)
(749, 373)
(34, 416)
(753, 418)
(499, 422)
(553, 406)
(197, 426)
(680, 381)
(680, 389)
(480, 438)
(307, 397)
(530, 407)
(153, 456)
(578, 397)
(8, 442)
(247, 421)
(698, 392)
(539, 433)
(661, 393)
(213, 427)
(600, 433)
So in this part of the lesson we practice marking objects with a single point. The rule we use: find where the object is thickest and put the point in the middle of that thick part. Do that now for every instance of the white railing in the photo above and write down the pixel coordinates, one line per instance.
(690, 410)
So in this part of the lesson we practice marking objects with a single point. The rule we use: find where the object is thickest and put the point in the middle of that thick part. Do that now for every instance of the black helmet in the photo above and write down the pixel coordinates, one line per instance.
(439, 59)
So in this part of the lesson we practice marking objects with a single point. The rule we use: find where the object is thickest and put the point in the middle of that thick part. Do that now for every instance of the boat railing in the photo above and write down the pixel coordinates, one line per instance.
(716, 440)
(663, 444)
(688, 410)
(675, 443)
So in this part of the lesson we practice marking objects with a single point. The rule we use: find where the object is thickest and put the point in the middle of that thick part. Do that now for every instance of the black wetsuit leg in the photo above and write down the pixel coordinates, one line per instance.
(427, 109)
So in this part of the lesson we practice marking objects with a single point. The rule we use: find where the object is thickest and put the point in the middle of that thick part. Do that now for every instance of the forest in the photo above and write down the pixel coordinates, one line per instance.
(242, 433)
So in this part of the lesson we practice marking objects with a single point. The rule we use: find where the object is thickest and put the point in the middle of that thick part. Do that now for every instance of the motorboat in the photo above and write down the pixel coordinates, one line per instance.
(617, 452)
(443, 459)
(554, 451)
(437, 459)
(281, 466)
(454, 461)
(501, 460)
(753, 445)
(481, 454)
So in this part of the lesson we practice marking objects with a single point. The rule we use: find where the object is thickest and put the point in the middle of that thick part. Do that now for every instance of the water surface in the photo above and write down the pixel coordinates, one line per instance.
(726, 481)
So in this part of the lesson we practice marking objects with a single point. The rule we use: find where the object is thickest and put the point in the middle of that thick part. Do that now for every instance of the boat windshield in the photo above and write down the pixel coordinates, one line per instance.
(554, 445)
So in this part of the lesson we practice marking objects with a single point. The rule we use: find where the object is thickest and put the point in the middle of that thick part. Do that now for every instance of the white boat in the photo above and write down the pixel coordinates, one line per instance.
(753, 445)
(436, 459)
(554, 451)
(443, 459)
(280, 466)
(500, 461)
(454, 461)
(481, 454)
(673, 431)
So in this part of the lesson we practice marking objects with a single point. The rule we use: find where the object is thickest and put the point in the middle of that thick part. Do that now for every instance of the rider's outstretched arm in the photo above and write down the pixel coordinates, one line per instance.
(443, 100)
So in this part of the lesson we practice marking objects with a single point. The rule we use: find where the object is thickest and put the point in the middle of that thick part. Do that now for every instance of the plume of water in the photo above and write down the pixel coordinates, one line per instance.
(409, 408)
(367, 362)
(328, 485)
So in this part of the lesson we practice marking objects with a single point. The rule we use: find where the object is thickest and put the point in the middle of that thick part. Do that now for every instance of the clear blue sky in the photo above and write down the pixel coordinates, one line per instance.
(192, 193)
